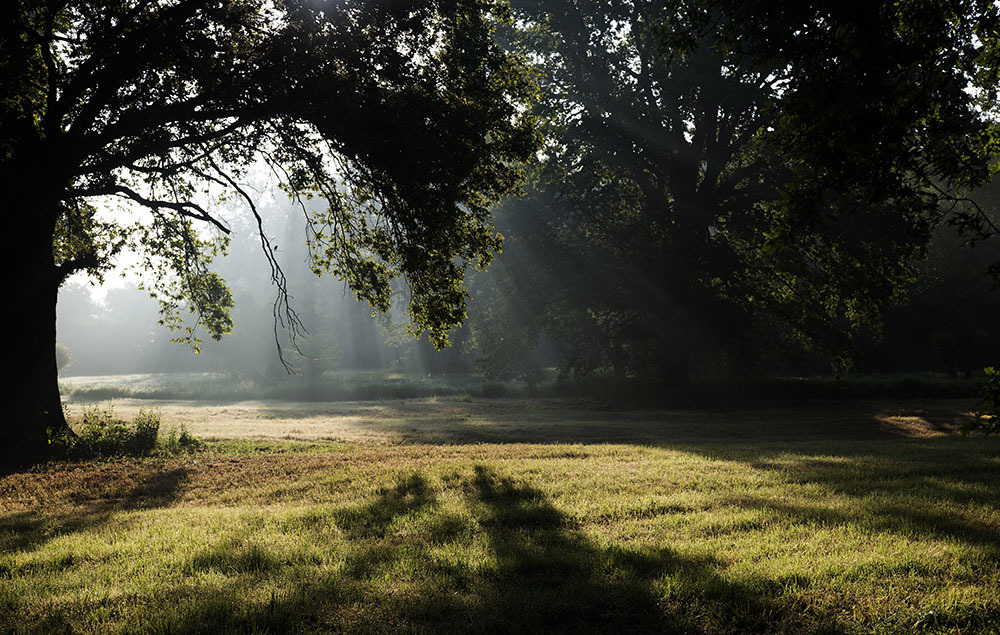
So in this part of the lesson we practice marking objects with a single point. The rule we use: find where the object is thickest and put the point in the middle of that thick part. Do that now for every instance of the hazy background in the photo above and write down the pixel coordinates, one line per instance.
(944, 327)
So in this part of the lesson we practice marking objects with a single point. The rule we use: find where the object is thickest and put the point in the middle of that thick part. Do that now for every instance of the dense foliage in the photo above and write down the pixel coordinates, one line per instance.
(405, 119)
(719, 173)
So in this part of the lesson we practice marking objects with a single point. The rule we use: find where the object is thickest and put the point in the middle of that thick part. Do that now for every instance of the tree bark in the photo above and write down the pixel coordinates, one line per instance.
(32, 408)
(31, 414)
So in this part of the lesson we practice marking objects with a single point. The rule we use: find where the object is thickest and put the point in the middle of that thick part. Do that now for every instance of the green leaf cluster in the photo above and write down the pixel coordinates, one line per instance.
(395, 126)
(715, 171)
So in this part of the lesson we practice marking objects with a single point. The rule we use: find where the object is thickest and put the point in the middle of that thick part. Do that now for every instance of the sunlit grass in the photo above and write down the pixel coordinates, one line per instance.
(894, 536)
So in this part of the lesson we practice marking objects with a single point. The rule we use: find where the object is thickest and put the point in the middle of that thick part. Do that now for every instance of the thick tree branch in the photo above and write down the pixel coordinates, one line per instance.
(187, 209)
(86, 261)
(111, 162)
(53, 121)
(128, 56)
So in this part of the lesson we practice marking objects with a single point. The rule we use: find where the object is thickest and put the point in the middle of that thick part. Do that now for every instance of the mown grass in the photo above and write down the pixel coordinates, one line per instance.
(464, 420)
(880, 536)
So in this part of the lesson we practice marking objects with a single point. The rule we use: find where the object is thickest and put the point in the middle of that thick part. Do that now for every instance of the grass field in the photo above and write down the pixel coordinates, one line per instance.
(471, 515)
(354, 385)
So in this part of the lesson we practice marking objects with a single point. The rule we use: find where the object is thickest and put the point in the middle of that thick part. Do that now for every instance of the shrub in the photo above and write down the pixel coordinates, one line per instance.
(101, 434)
(146, 427)
(179, 440)
(986, 419)
(101, 394)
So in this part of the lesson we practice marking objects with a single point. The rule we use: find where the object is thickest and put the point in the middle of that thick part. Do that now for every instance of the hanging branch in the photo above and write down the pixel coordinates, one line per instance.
(281, 309)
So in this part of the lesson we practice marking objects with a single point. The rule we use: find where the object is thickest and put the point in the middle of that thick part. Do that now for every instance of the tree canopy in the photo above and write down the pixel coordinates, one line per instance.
(405, 119)
(713, 165)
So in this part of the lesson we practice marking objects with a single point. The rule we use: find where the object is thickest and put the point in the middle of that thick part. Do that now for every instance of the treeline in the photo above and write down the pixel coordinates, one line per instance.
(121, 333)
(517, 325)
(720, 191)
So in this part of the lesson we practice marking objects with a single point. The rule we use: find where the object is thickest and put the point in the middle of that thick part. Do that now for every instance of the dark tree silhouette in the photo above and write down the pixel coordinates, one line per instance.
(712, 162)
(405, 118)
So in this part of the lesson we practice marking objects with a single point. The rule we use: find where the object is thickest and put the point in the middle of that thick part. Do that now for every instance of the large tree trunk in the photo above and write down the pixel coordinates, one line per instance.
(31, 414)
(32, 410)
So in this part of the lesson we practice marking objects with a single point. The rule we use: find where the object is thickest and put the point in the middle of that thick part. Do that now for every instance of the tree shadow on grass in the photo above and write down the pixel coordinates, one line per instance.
(934, 491)
(498, 558)
(27, 531)
(373, 520)
(923, 489)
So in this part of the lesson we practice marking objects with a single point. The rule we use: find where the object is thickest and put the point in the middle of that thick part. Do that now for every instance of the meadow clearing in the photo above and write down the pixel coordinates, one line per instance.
(459, 514)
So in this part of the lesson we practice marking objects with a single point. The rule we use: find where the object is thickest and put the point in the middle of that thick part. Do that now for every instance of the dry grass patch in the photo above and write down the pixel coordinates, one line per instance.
(467, 420)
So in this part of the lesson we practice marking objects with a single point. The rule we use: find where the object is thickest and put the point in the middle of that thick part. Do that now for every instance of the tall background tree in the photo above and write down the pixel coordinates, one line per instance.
(716, 170)
(405, 119)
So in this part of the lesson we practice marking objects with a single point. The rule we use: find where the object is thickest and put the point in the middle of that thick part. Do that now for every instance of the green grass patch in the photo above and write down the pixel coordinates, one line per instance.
(704, 392)
(99, 433)
(888, 536)
(331, 386)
